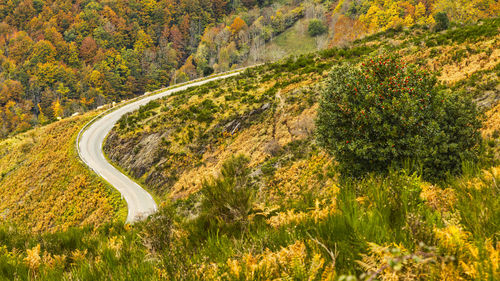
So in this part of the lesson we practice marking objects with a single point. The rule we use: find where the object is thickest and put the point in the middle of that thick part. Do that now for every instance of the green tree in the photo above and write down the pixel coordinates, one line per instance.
(316, 27)
(386, 113)
(442, 21)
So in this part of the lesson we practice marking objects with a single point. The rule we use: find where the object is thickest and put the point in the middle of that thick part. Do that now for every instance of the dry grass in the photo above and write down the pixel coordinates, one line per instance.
(457, 71)
(250, 142)
(44, 187)
(492, 122)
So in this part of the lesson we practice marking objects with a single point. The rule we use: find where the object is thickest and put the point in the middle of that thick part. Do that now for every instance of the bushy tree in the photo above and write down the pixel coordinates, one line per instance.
(442, 21)
(386, 112)
(316, 27)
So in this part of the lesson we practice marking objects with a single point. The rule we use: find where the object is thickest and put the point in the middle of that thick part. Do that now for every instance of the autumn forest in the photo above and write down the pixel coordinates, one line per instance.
(59, 57)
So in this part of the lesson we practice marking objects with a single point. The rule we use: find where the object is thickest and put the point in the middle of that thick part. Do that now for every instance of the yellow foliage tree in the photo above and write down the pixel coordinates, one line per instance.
(420, 17)
(393, 15)
(143, 42)
(370, 19)
(42, 119)
(95, 79)
(57, 108)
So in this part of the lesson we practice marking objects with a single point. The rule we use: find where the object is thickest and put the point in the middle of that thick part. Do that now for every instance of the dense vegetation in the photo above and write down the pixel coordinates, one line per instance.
(304, 221)
(59, 57)
(171, 146)
(44, 187)
(388, 114)
(280, 210)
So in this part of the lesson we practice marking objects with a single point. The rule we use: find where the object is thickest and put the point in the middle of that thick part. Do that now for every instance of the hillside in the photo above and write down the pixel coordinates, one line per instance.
(303, 221)
(173, 144)
(59, 57)
(44, 187)
(248, 193)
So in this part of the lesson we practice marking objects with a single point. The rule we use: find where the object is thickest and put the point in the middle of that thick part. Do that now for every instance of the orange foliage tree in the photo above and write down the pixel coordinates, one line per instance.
(237, 25)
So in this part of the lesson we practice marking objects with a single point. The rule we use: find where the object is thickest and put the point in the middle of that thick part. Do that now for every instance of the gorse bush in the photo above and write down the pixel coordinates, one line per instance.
(157, 233)
(386, 113)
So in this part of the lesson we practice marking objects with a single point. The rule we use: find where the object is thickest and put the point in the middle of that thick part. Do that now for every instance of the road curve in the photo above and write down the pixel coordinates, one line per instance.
(89, 145)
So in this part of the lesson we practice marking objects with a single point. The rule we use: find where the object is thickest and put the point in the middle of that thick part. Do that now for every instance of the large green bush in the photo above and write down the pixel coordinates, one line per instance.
(385, 113)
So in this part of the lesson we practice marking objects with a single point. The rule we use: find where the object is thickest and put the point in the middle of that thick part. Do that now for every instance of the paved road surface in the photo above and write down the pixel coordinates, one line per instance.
(140, 203)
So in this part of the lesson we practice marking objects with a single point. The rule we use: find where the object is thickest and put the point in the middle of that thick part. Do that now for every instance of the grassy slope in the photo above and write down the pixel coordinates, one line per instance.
(172, 146)
(45, 187)
(302, 216)
(294, 41)
(297, 182)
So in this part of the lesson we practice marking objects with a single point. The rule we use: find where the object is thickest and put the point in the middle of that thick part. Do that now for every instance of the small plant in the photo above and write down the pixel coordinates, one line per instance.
(157, 231)
(386, 112)
(495, 134)
(227, 200)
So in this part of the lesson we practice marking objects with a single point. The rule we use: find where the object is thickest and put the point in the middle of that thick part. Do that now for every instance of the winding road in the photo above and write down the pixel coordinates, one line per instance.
(90, 141)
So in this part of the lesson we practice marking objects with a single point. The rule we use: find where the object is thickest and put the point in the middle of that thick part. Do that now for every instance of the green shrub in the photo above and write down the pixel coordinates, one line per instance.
(378, 209)
(386, 113)
(207, 70)
(474, 33)
(204, 111)
(227, 200)
(157, 230)
(316, 27)
(442, 21)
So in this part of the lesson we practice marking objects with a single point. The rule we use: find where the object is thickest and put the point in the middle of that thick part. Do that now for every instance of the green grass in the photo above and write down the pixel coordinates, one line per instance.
(294, 41)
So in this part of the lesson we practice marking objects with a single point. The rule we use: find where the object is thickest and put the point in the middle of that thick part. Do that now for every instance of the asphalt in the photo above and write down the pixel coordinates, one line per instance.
(140, 203)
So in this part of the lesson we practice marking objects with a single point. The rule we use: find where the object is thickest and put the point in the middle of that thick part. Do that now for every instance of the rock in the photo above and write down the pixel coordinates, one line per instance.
(239, 122)
(256, 173)
(488, 99)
